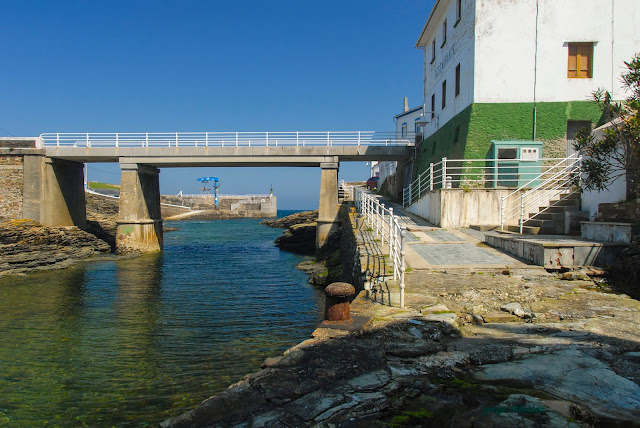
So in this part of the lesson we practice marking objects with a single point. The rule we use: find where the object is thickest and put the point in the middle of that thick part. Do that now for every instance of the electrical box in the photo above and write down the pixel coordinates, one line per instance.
(515, 163)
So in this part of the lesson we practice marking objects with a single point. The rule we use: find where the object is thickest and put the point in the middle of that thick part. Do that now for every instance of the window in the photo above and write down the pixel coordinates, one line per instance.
(416, 126)
(444, 94)
(404, 129)
(457, 80)
(458, 11)
(580, 61)
(444, 33)
(433, 50)
(433, 106)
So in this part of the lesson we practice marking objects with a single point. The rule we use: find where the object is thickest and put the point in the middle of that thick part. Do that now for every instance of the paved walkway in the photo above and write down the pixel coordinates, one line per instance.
(434, 248)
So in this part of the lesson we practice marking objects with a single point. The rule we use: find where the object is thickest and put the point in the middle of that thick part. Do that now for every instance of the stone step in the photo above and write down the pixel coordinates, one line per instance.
(483, 227)
(555, 216)
(544, 226)
(576, 196)
(560, 209)
(565, 202)
(528, 230)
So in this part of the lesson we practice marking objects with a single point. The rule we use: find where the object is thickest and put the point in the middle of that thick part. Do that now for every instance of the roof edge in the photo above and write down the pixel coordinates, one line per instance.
(433, 11)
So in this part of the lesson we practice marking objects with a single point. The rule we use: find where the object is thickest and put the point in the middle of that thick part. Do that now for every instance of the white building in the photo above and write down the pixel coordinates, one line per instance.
(520, 70)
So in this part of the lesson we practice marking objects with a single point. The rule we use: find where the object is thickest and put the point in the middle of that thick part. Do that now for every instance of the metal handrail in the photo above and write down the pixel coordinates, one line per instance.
(223, 139)
(386, 226)
(447, 172)
(567, 171)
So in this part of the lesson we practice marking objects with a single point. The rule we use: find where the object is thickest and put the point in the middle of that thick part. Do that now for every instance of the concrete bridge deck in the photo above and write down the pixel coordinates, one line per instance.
(161, 157)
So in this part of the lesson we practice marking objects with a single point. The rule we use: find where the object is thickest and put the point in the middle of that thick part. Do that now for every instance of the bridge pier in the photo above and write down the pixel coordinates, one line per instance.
(53, 191)
(139, 222)
(328, 210)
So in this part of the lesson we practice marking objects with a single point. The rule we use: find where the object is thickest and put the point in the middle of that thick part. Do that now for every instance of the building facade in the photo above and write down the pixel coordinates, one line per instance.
(519, 70)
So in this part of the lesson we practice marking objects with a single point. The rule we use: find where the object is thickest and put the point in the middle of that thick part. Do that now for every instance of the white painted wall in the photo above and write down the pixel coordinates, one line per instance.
(459, 49)
(495, 43)
(616, 191)
(505, 42)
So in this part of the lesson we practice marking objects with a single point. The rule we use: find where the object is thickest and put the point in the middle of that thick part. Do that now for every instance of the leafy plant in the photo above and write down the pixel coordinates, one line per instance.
(617, 152)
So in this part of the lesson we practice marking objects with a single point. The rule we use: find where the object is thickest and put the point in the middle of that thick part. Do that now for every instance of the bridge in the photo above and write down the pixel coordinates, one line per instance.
(54, 170)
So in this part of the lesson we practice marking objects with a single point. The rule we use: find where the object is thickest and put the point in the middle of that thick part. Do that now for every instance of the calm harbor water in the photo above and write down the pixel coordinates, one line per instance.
(134, 341)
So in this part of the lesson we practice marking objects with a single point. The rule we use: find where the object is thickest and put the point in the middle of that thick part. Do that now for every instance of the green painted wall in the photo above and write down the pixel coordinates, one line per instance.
(468, 135)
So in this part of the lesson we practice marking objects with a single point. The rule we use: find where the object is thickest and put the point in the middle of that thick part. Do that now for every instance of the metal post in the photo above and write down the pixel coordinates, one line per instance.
(431, 177)
(377, 205)
(297, 138)
(267, 139)
(391, 232)
(521, 212)
(206, 139)
(502, 213)
(176, 139)
(382, 228)
(57, 139)
(88, 140)
(402, 267)
(444, 173)
(236, 139)
(146, 139)
(327, 138)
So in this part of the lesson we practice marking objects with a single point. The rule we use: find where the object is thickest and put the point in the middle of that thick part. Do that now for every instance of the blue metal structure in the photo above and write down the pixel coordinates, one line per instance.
(216, 185)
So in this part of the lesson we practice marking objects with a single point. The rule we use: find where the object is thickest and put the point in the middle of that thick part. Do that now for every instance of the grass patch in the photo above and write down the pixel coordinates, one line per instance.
(98, 185)
(411, 418)
(462, 384)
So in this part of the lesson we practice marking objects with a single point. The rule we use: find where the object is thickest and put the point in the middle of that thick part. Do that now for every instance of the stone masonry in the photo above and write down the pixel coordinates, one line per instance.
(11, 177)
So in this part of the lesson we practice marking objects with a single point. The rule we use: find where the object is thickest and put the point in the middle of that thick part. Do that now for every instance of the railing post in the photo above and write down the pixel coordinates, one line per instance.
(377, 205)
(267, 139)
(431, 177)
(444, 173)
(236, 139)
(88, 144)
(297, 138)
(358, 138)
(390, 232)
(419, 185)
(402, 267)
(146, 139)
(521, 212)
(502, 213)
(383, 223)
(328, 139)
(206, 139)
(176, 139)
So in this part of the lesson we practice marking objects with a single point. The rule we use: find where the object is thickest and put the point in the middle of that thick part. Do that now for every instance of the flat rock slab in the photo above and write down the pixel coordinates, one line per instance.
(499, 317)
(573, 375)
(355, 325)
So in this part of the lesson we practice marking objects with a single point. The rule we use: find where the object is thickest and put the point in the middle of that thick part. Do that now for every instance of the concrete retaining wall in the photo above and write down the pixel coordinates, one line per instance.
(462, 207)
(11, 177)
(609, 232)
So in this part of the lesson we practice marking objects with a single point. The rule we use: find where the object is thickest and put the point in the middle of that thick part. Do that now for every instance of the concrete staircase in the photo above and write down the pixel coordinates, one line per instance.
(549, 220)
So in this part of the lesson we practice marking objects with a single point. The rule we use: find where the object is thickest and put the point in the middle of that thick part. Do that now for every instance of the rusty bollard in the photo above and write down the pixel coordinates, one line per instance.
(337, 303)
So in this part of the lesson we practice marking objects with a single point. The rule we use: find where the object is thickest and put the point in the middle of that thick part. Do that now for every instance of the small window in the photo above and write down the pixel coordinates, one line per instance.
(529, 154)
(580, 61)
(457, 80)
(458, 10)
(404, 129)
(433, 50)
(433, 106)
(444, 94)
(444, 33)
(416, 126)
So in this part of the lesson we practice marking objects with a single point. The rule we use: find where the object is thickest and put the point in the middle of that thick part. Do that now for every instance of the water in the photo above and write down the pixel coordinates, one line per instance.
(134, 341)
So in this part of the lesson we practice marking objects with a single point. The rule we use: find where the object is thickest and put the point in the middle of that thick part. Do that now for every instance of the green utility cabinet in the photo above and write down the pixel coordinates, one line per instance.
(516, 163)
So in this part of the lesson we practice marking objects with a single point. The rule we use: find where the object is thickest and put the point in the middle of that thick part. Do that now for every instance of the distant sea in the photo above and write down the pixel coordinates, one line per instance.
(132, 341)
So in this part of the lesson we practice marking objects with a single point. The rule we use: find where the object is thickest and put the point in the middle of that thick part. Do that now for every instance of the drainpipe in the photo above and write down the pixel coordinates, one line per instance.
(535, 78)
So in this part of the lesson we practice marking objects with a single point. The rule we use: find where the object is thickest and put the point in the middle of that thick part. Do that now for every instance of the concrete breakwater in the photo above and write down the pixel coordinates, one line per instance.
(229, 206)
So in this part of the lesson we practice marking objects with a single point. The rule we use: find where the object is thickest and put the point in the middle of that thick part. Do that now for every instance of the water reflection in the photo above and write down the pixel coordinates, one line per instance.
(132, 341)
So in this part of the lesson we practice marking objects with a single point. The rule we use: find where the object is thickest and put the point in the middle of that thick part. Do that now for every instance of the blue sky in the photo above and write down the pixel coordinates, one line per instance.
(138, 66)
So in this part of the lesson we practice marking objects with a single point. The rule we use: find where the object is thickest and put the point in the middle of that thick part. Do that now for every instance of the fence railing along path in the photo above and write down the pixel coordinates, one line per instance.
(223, 139)
(387, 227)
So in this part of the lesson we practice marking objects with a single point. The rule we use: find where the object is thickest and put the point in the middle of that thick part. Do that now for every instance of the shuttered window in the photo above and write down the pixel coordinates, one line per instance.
(580, 61)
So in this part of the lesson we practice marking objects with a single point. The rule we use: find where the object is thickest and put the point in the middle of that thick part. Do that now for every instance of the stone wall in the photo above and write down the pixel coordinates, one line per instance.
(626, 212)
(349, 252)
(11, 177)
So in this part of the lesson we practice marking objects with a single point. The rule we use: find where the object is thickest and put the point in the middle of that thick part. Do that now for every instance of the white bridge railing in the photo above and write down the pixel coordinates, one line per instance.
(223, 139)
(386, 226)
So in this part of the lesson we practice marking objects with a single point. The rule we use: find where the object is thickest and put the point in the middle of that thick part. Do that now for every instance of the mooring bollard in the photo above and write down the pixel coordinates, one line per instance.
(337, 301)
